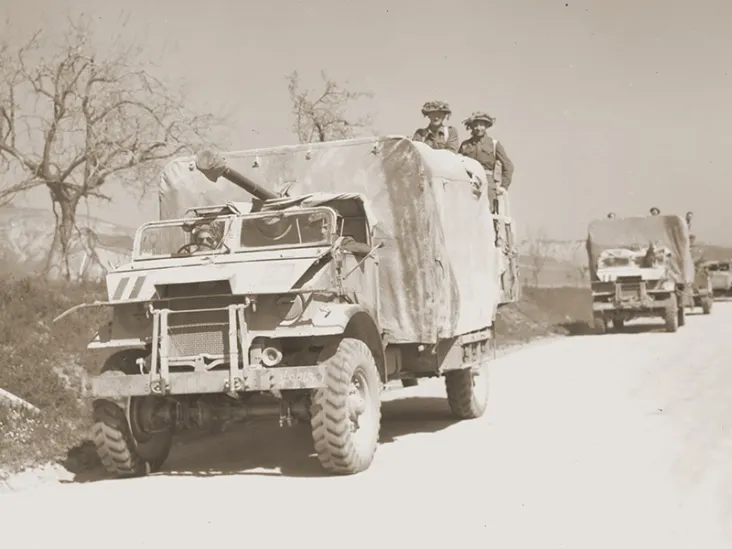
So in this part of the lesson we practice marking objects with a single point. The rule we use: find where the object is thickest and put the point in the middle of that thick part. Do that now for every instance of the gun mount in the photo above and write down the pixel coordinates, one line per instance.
(213, 166)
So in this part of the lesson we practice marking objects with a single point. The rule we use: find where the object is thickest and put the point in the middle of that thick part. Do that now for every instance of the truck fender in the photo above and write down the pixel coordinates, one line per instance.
(352, 320)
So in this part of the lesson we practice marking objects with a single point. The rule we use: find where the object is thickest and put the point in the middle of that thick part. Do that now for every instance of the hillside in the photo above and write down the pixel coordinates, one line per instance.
(26, 235)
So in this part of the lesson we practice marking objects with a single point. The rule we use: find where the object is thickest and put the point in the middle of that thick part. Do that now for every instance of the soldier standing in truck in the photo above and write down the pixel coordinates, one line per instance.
(487, 151)
(689, 218)
(437, 134)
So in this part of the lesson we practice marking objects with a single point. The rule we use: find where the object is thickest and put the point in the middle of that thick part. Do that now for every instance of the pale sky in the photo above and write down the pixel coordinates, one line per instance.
(601, 104)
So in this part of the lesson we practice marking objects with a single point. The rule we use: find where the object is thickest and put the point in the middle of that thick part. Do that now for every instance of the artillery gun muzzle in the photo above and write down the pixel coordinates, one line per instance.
(213, 166)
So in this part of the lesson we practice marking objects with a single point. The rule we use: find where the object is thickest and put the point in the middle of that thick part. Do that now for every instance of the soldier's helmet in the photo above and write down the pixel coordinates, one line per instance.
(435, 106)
(479, 116)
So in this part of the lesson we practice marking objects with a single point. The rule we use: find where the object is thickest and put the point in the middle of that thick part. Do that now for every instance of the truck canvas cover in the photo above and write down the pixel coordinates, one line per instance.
(669, 231)
(439, 267)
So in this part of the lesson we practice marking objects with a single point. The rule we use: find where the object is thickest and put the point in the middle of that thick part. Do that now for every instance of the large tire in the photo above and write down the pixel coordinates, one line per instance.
(600, 324)
(351, 392)
(467, 392)
(671, 315)
(618, 324)
(681, 312)
(706, 304)
(125, 451)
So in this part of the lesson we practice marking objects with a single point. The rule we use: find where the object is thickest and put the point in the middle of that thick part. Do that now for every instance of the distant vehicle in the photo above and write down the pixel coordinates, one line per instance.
(721, 275)
(640, 267)
(702, 290)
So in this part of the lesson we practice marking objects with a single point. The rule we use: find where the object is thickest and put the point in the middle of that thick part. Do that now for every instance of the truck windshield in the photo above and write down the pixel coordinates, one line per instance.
(223, 234)
(287, 228)
(644, 258)
(182, 237)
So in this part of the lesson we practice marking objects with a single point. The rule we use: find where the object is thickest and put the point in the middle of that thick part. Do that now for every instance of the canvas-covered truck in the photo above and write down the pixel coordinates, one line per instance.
(720, 272)
(640, 267)
(356, 263)
(702, 289)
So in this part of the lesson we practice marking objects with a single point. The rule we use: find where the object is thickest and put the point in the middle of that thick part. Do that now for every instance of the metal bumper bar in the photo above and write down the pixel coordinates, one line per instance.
(240, 376)
(185, 383)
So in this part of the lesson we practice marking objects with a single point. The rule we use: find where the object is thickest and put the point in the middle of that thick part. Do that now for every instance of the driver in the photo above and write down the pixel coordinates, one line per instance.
(203, 236)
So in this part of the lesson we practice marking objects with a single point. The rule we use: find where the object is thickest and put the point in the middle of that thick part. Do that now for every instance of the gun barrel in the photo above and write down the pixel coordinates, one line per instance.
(213, 166)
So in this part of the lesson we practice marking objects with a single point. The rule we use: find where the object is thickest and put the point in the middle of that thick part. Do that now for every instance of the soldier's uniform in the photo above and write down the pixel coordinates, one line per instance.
(444, 137)
(487, 151)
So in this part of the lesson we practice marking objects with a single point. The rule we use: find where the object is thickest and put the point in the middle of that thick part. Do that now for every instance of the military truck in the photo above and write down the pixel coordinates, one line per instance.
(357, 263)
(721, 275)
(702, 289)
(640, 267)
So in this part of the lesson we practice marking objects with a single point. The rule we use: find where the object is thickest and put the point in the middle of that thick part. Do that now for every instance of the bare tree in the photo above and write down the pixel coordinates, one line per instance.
(579, 254)
(73, 121)
(321, 115)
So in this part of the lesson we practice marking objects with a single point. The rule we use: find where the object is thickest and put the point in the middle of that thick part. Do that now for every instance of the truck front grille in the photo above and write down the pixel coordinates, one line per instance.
(630, 290)
(196, 333)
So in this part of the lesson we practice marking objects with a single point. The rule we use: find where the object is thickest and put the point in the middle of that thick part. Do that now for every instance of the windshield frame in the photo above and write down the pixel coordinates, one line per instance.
(330, 212)
(229, 220)
(231, 240)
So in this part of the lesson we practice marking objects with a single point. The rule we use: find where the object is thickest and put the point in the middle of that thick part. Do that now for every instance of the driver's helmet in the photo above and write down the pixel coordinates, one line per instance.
(479, 116)
(436, 106)
(203, 235)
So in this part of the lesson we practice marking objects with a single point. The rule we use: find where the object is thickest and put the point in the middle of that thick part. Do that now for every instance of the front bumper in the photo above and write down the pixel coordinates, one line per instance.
(631, 296)
(216, 348)
(253, 378)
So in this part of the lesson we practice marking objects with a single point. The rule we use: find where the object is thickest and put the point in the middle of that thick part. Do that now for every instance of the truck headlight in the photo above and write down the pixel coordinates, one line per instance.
(289, 307)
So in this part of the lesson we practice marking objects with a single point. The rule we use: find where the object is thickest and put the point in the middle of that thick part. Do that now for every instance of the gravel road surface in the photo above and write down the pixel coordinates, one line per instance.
(589, 442)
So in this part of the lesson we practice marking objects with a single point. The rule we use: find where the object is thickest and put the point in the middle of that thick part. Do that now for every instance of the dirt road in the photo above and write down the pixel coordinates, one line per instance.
(622, 440)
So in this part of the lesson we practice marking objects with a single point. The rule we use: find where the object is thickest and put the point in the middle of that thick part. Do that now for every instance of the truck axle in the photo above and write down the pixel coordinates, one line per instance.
(205, 413)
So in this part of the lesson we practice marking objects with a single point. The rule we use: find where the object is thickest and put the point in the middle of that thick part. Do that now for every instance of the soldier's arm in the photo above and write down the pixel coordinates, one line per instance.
(418, 135)
(461, 148)
(506, 165)
(453, 142)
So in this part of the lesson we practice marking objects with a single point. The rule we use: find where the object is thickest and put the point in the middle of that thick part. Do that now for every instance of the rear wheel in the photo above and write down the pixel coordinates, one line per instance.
(346, 413)
(681, 313)
(671, 315)
(618, 324)
(599, 324)
(134, 439)
(467, 392)
(706, 304)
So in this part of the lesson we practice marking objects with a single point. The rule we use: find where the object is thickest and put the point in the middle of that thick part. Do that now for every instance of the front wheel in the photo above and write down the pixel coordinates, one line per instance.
(123, 449)
(346, 413)
(134, 439)
(706, 305)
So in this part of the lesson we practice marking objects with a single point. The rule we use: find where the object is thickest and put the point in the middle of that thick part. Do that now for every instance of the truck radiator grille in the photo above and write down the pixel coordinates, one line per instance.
(195, 333)
(631, 290)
